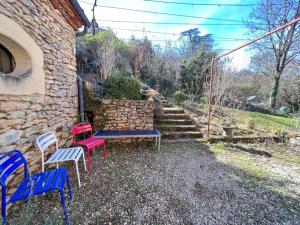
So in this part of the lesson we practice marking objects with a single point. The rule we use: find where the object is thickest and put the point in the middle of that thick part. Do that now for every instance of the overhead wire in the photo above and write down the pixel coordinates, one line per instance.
(168, 41)
(201, 4)
(163, 13)
(167, 33)
(171, 23)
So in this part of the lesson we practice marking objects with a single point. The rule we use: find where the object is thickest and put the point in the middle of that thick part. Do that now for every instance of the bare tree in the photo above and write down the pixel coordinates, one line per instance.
(156, 65)
(138, 50)
(107, 56)
(193, 74)
(284, 44)
(289, 94)
(222, 92)
(97, 53)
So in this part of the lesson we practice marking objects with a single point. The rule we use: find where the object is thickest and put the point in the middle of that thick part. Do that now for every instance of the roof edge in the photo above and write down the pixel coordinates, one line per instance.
(81, 13)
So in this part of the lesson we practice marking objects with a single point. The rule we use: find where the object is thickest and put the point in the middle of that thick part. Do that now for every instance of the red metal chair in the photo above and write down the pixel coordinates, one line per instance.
(88, 143)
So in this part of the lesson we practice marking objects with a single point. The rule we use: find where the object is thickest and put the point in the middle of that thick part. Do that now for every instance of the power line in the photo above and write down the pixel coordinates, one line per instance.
(168, 41)
(200, 4)
(172, 47)
(163, 13)
(172, 23)
(174, 34)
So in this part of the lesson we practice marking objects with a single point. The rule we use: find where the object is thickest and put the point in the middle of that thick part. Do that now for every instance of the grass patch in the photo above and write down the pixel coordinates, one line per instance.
(268, 122)
(280, 154)
(218, 148)
(253, 172)
(243, 161)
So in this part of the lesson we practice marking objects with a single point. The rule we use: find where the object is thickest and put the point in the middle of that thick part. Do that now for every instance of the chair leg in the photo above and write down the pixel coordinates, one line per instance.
(104, 151)
(89, 160)
(63, 203)
(69, 187)
(3, 213)
(77, 170)
(84, 163)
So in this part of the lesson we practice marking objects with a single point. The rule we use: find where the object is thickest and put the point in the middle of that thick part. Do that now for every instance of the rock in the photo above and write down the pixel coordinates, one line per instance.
(32, 130)
(295, 140)
(10, 137)
(32, 116)
(6, 149)
(10, 106)
(4, 123)
(35, 107)
(16, 114)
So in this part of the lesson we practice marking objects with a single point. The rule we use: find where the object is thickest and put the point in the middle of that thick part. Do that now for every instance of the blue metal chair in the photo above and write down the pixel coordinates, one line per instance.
(35, 184)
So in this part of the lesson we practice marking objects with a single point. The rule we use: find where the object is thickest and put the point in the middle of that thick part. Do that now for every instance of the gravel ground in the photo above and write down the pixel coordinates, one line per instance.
(186, 183)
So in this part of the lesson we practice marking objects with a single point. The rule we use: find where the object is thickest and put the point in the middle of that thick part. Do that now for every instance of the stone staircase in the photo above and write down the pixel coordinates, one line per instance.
(175, 125)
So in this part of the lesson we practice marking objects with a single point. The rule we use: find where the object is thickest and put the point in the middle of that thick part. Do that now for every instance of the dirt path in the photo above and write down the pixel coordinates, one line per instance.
(186, 183)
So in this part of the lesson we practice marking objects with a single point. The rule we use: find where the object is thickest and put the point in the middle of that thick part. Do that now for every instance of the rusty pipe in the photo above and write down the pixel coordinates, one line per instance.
(231, 51)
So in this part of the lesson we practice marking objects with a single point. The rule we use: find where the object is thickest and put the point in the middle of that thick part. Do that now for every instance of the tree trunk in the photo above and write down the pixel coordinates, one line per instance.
(274, 92)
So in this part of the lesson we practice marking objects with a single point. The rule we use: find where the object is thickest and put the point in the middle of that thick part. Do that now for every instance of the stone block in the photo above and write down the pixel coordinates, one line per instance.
(10, 106)
(16, 114)
(10, 136)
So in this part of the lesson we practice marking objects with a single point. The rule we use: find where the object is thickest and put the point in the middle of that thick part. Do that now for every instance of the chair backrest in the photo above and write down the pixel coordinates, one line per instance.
(81, 128)
(9, 163)
(45, 140)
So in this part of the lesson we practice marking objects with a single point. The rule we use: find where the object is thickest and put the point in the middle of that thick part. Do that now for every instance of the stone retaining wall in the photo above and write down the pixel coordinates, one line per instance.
(123, 115)
(24, 117)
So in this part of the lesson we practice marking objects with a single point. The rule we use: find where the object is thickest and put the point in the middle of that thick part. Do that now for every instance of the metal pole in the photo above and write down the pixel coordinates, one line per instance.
(229, 52)
(210, 95)
(94, 19)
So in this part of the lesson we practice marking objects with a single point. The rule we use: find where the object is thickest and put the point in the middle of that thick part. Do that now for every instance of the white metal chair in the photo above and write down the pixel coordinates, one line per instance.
(60, 155)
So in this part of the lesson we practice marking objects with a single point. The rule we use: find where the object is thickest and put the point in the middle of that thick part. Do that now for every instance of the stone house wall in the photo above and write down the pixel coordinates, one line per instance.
(123, 115)
(24, 117)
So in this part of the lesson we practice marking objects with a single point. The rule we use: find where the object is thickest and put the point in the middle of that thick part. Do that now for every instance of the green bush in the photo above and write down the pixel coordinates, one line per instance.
(203, 100)
(122, 87)
(179, 97)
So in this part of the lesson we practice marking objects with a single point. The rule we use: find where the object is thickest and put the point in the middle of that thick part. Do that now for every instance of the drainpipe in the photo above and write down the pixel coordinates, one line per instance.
(87, 24)
(80, 83)
(80, 98)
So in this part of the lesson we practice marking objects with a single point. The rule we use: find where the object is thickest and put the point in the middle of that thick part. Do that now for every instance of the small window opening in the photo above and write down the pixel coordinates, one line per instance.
(7, 61)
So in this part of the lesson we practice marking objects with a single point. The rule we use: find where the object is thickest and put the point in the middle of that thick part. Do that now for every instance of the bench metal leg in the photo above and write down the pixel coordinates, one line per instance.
(155, 141)
(159, 143)
(104, 151)
(84, 163)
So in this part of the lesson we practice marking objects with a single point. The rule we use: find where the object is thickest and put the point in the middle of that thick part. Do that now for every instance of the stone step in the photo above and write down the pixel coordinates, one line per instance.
(173, 116)
(173, 110)
(181, 140)
(181, 135)
(166, 103)
(174, 121)
(176, 127)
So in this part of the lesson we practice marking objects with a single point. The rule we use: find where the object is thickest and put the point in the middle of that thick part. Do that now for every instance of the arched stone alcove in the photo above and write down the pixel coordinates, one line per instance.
(28, 76)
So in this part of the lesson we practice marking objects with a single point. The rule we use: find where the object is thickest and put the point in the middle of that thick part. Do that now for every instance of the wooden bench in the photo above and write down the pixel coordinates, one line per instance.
(130, 134)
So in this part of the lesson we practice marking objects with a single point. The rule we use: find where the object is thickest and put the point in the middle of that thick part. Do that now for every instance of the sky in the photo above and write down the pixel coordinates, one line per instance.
(240, 59)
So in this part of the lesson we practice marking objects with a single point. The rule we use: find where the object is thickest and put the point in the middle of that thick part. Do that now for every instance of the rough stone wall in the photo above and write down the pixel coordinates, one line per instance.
(23, 118)
(124, 115)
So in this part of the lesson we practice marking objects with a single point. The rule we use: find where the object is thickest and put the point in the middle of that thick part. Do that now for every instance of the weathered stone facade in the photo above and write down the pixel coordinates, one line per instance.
(23, 118)
(121, 115)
